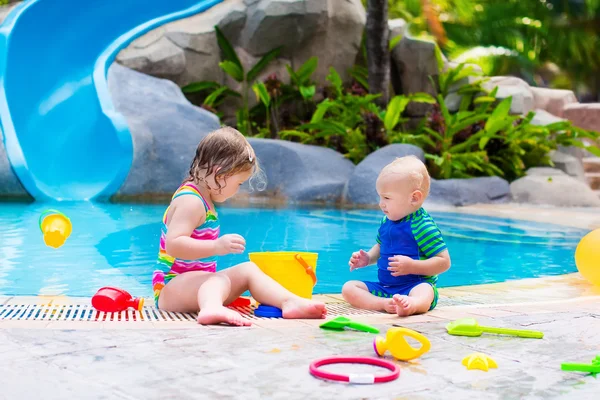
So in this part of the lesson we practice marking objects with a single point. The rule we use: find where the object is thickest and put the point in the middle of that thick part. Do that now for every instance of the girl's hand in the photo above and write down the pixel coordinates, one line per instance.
(359, 259)
(401, 265)
(228, 244)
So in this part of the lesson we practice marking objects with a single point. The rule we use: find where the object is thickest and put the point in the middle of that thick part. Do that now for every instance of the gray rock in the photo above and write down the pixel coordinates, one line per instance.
(549, 186)
(518, 89)
(361, 186)
(274, 23)
(569, 164)
(165, 129)
(553, 100)
(543, 118)
(10, 186)
(336, 41)
(397, 27)
(300, 172)
(413, 62)
(462, 192)
(329, 29)
(544, 171)
(160, 57)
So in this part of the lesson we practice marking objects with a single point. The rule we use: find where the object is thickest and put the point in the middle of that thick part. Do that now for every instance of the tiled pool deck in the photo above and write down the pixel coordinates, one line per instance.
(52, 359)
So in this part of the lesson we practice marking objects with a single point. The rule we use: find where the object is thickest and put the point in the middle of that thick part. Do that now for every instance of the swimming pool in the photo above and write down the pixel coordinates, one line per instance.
(116, 245)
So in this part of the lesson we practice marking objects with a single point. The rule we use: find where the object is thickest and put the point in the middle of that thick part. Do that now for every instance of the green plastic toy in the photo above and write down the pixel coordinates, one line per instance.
(340, 323)
(470, 327)
(593, 368)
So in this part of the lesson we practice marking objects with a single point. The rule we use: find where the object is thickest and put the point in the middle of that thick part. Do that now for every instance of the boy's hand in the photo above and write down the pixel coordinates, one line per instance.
(231, 243)
(359, 259)
(401, 265)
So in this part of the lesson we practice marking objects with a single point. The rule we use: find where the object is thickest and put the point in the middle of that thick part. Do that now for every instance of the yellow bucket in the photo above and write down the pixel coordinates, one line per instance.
(294, 270)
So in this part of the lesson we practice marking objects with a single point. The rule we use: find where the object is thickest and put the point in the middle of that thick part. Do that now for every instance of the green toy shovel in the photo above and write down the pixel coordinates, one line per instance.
(593, 368)
(470, 327)
(339, 323)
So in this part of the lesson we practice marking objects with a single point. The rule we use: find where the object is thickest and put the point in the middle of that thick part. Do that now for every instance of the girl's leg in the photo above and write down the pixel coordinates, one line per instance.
(357, 294)
(204, 291)
(247, 276)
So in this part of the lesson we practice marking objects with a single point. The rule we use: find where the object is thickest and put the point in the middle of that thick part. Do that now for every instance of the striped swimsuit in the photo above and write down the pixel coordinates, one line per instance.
(169, 267)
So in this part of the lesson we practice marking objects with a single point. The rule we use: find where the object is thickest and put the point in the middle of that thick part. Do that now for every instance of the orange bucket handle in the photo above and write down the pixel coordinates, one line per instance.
(309, 270)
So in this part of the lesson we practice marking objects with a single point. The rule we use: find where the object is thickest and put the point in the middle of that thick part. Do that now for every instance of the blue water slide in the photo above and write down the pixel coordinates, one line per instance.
(63, 136)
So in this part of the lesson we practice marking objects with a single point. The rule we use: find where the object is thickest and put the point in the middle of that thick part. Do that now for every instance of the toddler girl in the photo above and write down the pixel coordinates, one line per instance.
(186, 279)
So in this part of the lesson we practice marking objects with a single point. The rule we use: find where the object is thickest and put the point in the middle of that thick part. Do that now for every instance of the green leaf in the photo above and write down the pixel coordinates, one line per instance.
(326, 128)
(212, 98)
(260, 90)
(421, 97)
(322, 108)
(499, 118)
(434, 134)
(200, 86)
(263, 63)
(483, 142)
(394, 42)
(308, 92)
(306, 70)
(594, 150)
(227, 49)
(293, 76)
(394, 110)
(484, 99)
(361, 75)
(232, 70)
(286, 134)
(335, 80)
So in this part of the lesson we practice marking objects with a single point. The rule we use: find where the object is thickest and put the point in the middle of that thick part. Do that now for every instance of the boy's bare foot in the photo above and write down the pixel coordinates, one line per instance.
(405, 305)
(218, 315)
(299, 308)
(390, 306)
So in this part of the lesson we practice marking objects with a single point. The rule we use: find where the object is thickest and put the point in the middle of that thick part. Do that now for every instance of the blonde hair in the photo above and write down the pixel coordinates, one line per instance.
(412, 168)
(229, 151)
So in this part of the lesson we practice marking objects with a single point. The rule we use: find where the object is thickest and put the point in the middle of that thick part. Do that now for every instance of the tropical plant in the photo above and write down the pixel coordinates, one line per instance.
(232, 65)
(515, 36)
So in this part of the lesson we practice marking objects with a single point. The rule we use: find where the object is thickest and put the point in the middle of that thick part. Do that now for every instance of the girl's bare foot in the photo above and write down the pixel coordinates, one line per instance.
(219, 315)
(299, 308)
(405, 305)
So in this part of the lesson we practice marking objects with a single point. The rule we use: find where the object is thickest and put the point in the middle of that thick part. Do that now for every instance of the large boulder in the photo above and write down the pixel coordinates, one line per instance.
(553, 187)
(303, 173)
(414, 64)
(462, 192)
(518, 89)
(361, 186)
(552, 100)
(10, 186)
(569, 164)
(186, 50)
(165, 129)
(586, 116)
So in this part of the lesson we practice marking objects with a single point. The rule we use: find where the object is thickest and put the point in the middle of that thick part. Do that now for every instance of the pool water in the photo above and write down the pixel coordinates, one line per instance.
(117, 244)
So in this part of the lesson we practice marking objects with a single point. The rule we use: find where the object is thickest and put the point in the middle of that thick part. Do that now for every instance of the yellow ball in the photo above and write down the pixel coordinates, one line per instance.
(587, 257)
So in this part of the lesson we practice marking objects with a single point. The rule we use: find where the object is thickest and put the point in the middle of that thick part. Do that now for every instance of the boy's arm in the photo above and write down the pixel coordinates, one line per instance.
(432, 266)
(374, 254)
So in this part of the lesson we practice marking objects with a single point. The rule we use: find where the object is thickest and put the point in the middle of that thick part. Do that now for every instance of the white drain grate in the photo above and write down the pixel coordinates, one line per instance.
(86, 313)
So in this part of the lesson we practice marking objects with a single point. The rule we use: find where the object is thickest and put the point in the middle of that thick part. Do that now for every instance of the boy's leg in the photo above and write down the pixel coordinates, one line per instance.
(204, 291)
(418, 301)
(358, 295)
(247, 276)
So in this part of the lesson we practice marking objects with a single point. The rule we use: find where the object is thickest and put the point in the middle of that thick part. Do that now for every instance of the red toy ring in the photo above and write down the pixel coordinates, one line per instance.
(354, 378)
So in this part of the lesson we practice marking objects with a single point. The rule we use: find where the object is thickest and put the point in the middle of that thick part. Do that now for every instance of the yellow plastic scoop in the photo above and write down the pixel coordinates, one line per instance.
(56, 228)
(470, 327)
